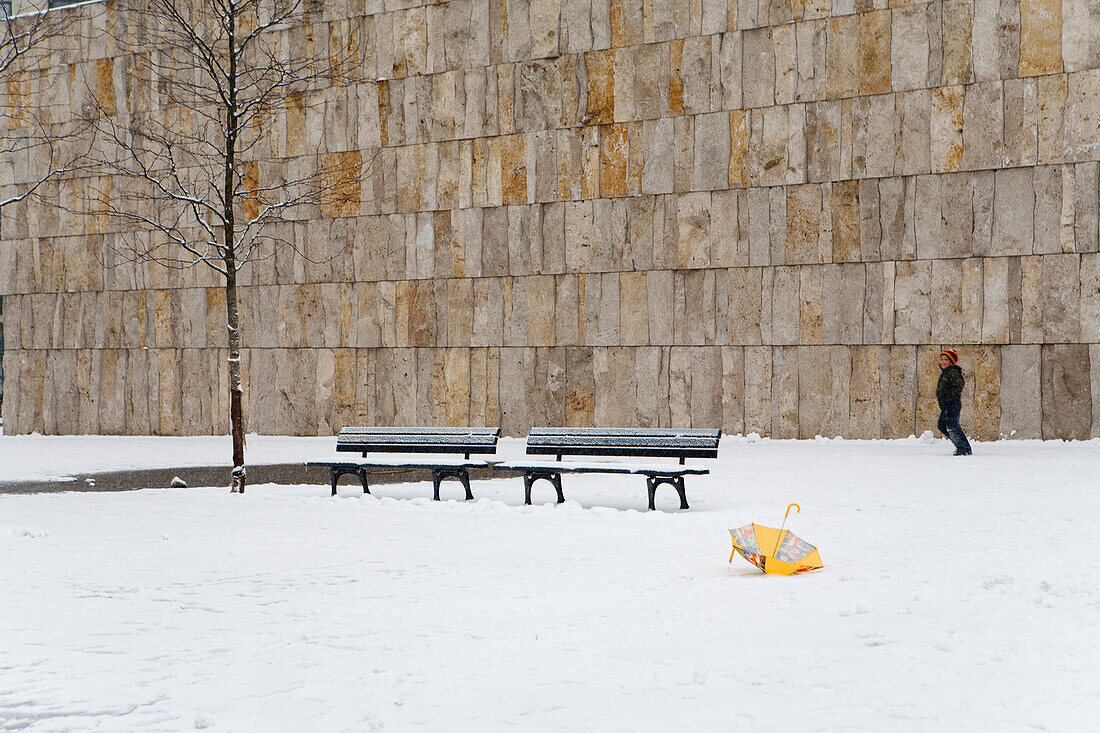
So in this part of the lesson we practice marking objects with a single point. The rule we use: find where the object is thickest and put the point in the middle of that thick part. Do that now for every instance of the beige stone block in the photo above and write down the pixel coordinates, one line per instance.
(784, 392)
(1013, 212)
(1086, 190)
(600, 66)
(1082, 116)
(913, 111)
(744, 289)
(804, 208)
(616, 386)
(845, 222)
(580, 388)
(679, 387)
(983, 125)
(660, 288)
(1040, 37)
(1021, 396)
(897, 210)
(634, 308)
(614, 155)
(1021, 145)
(694, 307)
(824, 376)
(712, 151)
(786, 305)
(1067, 392)
(811, 315)
(995, 310)
(541, 307)
(845, 55)
(1052, 99)
(909, 49)
(1090, 298)
(957, 24)
(865, 393)
(651, 81)
(1048, 209)
(875, 136)
(899, 391)
(1061, 300)
(912, 302)
(822, 131)
(947, 306)
(694, 239)
(946, 128)
(758, 68)
(758, 389)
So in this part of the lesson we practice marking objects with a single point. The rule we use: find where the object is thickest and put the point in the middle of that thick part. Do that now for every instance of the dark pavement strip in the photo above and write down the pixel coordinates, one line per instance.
(286, 474)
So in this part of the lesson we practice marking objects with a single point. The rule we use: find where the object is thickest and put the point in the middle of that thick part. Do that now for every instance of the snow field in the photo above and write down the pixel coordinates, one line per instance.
(957, 594)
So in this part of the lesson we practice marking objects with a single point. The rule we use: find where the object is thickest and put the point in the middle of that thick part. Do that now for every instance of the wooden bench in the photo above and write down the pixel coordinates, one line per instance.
(464, 441)
(620, 442)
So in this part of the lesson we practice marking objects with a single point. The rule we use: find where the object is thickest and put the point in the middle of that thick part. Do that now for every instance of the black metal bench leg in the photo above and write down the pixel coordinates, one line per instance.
(679, 486)
(334, 476)
(676, 482)
(363, 480)
(438, 474)
(529, 478)
(336, 473)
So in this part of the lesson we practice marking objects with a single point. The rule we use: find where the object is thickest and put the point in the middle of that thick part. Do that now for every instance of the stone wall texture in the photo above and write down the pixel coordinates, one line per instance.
(764, 215)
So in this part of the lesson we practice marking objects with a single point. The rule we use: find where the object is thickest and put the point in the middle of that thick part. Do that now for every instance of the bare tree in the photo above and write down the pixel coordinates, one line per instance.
(189, 173)
(34, 147)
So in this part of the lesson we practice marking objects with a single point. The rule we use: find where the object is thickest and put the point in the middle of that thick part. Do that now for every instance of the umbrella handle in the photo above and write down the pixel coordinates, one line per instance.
(779, 539)
(797, 510)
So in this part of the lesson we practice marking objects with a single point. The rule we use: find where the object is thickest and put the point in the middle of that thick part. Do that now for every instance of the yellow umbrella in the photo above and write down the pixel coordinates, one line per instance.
(788, 555)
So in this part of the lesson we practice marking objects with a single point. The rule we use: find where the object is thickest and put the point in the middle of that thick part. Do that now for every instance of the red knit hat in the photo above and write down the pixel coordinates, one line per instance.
(952, 355)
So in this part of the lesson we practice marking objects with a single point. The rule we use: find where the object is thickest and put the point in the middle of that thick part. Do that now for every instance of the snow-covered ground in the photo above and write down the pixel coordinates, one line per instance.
(957, 594)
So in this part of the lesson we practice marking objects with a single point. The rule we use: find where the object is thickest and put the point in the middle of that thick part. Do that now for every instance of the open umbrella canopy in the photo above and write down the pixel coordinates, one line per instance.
(773, 550)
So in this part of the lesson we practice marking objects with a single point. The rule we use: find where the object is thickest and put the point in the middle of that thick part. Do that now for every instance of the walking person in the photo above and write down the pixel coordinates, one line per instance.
(949, 395)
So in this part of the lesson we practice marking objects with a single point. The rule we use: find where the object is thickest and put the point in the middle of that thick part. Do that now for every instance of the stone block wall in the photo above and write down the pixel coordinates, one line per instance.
(765, 216)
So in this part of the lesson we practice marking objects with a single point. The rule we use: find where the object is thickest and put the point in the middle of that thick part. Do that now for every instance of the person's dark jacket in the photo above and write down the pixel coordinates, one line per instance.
(950, 387)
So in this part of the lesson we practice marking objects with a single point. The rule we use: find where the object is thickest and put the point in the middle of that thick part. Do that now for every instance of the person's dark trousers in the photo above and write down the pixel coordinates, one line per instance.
(949, 426)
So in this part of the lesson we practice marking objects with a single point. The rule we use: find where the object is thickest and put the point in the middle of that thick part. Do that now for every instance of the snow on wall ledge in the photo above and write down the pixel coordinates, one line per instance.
(763, 217)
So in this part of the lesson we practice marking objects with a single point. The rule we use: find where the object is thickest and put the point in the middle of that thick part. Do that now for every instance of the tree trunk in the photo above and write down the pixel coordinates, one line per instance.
(236, 409)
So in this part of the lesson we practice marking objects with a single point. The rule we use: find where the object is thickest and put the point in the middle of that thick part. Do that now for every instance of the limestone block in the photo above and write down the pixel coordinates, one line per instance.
(600, 68)
(569, 316)
(946, 128)
(758, 389)
(824, 376)
(912, 303)
(845, 54)
(488, 322)
(1021, 145)
(914, 133)
(712, 152)
(602, 310)
(845, 221)
(693, 71)
(1061, 298)
(983, 125)
(897, 207)
(823, 141)
(1053, 91)
(616, 386)
(1048, 209)
(899, 391)
(804, 210)
(538, 97)
(995, 310)
(682, 153)
(739, 148)
(699, 288)
(1094, 358)
(844, 306)
(660, 287)
(1090, 298)
(1021, 392)
(1086, 184)
(634, 308)
(1013, 212)
(785, 51)
(870, 220)
(786, 305)
(744, 289)
(706, 387)
(728, 247)
(972, 291)
(947, 301)
(784, 407)
(540, 309)
(579, 388)
(666, 234)
(770, 139)
(693, 219)
(865, 393)
(811, 305)
(929, 210)
(875, 136)
(1040, 37)
(614, 155)
(1067, 392)
(909, 49)
(957, 25)
(650, 80)
(758, 68)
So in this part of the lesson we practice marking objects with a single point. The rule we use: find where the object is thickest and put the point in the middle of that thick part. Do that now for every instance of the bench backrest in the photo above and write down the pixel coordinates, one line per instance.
(418, 440)
(624, 442)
